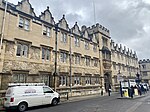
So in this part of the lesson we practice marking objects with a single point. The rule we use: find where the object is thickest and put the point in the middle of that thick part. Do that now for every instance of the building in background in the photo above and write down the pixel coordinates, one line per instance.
(144, 66)
(124, 62)
(87, 59)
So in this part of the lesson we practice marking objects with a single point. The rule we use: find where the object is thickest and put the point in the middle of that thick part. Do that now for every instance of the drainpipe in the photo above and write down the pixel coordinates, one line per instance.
(3, 27)
(70, 58)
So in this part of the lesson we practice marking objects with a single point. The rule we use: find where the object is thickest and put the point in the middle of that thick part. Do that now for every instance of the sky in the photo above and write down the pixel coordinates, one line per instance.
(127, 20)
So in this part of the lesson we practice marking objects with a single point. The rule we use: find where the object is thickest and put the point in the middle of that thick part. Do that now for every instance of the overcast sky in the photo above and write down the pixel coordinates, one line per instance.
(127, 20)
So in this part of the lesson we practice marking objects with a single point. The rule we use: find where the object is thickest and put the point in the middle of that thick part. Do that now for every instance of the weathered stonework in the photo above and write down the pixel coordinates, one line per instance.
(10, 49)
(34, 53)
(36, 62)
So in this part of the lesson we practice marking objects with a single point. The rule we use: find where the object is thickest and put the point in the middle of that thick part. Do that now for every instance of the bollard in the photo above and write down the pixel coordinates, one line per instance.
(102, 93)
(67, 96)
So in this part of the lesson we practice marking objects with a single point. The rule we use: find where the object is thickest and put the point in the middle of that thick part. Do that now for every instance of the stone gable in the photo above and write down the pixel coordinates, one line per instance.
(25, 7)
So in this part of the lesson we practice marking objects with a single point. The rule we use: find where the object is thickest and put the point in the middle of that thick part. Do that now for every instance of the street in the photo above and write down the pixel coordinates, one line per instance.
(100, 104)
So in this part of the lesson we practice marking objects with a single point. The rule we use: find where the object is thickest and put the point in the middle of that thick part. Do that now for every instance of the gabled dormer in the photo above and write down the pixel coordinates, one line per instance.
(63, 23)
(76, 29)
(25, 6)
(47, 16)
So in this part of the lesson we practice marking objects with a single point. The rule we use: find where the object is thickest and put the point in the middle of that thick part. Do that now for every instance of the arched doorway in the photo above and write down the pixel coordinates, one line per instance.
(107, 81)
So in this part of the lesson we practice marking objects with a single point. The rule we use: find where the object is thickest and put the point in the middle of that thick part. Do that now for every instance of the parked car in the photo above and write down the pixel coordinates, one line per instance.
(23, 95)
(146, 86)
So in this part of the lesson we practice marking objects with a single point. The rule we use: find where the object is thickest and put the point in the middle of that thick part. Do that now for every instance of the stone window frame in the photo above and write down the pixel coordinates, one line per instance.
(77, 58)
(77, 80)
(46, 54)
(97, 79)
(24, 23)
(63, 56)
(64, 37)
(87, 60)
(45, 78)
(77, 41)
(18, 74)
(63, 80)
(22, 49)
(95, 62)
(88, 80)
(46, 30)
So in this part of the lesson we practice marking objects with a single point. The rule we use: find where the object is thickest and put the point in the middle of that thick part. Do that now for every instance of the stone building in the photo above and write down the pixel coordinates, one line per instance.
(124, 62)
(30, 44)
(144, 66)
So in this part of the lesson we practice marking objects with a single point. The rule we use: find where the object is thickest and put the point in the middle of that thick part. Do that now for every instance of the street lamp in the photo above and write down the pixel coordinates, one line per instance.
(55, 70)
(138, 79)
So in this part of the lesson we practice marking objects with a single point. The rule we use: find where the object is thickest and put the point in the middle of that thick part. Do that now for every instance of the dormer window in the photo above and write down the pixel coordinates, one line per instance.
(46, 31)
(24, 23)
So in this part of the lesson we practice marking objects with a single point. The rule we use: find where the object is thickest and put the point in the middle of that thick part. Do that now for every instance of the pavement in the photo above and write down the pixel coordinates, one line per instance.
(134, 97)
(79, 98)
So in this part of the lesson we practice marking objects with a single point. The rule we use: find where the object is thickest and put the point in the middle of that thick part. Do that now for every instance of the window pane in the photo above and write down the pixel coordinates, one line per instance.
(45, 79)
(18, 50)
(48, 55)
(25, 50)
(43, 53)
(48, 31)
(21, 22)
(61, 57)
(26, 26)
(44, 30)
(22, 78)
(15, 78)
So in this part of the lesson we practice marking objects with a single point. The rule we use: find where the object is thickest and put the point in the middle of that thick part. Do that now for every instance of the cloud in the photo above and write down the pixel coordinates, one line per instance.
(127, 20)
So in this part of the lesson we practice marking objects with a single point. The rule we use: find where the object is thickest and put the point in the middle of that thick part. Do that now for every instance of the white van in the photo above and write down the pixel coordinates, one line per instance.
(24, 95)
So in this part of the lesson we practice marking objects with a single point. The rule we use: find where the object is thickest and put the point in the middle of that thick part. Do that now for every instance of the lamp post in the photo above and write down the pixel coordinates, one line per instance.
(138, 79)
(120, 78)
(55, 70)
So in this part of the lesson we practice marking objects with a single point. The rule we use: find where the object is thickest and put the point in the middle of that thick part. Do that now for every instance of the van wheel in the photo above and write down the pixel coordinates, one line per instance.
(22, 107)
(54, 102)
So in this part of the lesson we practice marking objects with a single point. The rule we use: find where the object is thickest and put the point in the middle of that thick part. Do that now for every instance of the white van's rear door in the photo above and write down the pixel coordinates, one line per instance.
(8, 97)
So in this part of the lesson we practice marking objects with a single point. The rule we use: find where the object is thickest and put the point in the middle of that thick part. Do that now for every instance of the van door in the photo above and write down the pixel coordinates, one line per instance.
(48, 95)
